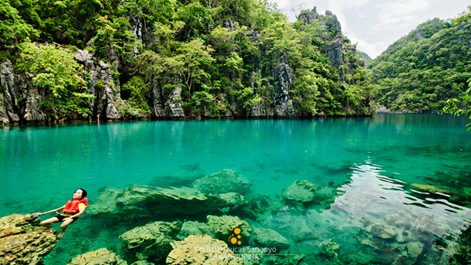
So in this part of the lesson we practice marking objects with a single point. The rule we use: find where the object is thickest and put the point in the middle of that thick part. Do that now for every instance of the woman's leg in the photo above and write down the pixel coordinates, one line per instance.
(47, 222)
(64, 225)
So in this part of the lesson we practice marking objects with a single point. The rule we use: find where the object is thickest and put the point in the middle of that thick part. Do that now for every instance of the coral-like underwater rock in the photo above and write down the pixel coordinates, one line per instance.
(99, 256)
(270, 238)
(105, 203)
(229, 201)
(152, 241)
(220, 227)
(429, 188)
(148, 202)
(223, 227)
(300, 191)
(194, 228)
(202, 249)
(23, 241)
(330, 248)
(226, 180)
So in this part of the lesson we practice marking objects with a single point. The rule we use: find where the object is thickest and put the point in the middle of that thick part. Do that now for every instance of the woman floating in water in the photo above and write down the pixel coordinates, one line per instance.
(70, 211)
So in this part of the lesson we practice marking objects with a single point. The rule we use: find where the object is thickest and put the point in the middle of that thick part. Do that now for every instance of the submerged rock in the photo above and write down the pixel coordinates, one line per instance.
(224, 181)
(22, 241)
(260, 205)
(429, 188)
(99, 256)
(270, 238)
(201, 249)
(194, 228)
(227, 227)
(329, 248)
(150, 202)
(105, 203)
(300, 191)
(292, 259)
(229, 201)
(150, 242)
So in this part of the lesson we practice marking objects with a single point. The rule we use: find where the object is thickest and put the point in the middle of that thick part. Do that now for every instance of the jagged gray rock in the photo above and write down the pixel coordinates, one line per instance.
(8, 95)
(173, 106)
(283, 103)
(107, 101)
(166, 103)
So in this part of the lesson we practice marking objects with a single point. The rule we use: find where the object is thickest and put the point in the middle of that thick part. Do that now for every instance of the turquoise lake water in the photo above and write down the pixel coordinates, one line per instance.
(377, 164)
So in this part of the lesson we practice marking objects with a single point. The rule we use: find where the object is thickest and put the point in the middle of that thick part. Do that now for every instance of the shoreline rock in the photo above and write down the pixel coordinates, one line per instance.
(23, 241)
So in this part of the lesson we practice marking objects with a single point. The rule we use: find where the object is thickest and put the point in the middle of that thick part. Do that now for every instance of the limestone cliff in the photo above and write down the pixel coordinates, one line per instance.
(156, 65)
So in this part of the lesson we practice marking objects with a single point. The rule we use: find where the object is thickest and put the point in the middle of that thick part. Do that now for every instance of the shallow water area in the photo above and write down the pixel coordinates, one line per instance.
(400, 181)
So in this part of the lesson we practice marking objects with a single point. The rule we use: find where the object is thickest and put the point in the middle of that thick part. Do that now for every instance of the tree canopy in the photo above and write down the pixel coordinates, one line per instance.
(226, 56)
(420, 72)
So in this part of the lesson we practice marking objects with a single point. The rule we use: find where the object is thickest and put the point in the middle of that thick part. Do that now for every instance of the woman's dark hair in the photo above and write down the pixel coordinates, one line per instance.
(84, 192)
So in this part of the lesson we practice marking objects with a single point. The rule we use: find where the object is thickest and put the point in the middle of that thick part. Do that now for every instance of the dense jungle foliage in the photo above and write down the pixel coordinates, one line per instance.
(227, 56)
(427, 70)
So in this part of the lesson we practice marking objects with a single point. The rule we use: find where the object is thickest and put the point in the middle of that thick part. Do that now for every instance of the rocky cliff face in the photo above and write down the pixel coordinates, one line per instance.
(20, 102)
(334, 42)
(22, 241)
(166, 104)
(283, 103)
(102, 86)
(8, 100)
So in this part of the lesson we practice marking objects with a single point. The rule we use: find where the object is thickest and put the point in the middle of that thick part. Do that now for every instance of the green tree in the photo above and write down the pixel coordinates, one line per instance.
(13, 28)
(460, 106)
(422, 70)
(136, 102)
(196, 59)
(463, 18)
(56, 76)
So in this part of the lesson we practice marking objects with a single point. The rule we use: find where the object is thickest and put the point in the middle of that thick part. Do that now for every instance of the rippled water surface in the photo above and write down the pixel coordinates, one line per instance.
(401, 181)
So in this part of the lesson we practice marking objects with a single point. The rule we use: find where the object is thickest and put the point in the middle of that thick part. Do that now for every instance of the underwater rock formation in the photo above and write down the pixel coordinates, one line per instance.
(303, 194)
(151, 242)
(142, 202)
(219, 227)
(259, 206)
(201, 249)
(265, 237)
(330, 249)
(194, 228)
(396, 241)
(300, 191)
(23, 241)
(429, 188)
(226, 180)
(223, 226)
(99, 256)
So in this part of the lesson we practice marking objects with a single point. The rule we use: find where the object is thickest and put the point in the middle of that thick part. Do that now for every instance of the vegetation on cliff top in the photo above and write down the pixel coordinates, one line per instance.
(227, 57)
(222, 59)
(421, 71)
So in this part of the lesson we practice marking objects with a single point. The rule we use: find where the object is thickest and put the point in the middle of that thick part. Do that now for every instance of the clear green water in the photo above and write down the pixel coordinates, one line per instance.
(374, 161)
